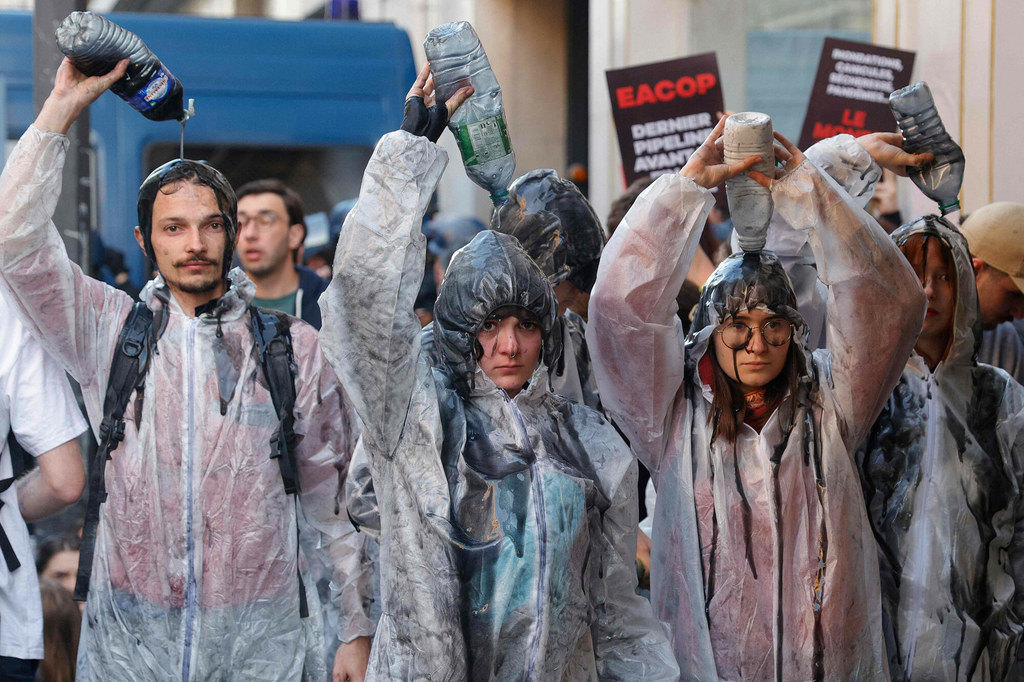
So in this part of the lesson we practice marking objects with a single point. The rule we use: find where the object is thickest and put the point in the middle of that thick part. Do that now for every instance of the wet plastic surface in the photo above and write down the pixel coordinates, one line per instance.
(508, 526)
(196, 555)
(764, 564)
(942, 470)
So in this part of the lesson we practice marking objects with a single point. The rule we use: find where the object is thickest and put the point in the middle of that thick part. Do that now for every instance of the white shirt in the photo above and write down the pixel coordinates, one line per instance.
(36, 402)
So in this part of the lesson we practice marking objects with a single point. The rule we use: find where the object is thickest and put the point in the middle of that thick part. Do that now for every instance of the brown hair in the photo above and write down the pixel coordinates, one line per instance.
(292, 201)
(728, 406)
(62, 625)
(915, 250)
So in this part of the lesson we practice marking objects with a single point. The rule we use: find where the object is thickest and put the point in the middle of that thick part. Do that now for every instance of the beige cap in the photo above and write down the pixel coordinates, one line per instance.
(995, 234)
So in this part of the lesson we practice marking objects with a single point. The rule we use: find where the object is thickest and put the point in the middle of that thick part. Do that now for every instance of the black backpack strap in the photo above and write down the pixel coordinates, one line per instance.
(6, 548)
(127, 373)
(271, 331)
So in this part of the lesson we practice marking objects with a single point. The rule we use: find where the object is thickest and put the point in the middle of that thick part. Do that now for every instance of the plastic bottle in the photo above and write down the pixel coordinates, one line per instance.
(923, 131)
(750, 204)
(95, 45)
(457, 59)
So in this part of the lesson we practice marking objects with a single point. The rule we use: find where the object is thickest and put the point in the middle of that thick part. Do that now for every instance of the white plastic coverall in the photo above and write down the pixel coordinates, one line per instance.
(195, 573)
(942, 471)
(508, 525)
(757, 514)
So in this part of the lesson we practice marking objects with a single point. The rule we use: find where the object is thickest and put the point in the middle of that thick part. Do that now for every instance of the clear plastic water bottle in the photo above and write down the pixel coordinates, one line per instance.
(95, 45)
(457, 59)
(923, 131)
(750, 204)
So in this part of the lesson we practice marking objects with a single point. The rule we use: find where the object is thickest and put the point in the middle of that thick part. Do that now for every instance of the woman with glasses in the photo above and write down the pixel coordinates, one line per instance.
(763, 562)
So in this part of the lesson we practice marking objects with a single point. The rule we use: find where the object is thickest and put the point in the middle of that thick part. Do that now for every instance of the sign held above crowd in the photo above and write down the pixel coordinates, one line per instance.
(663, 112)
(851, 90)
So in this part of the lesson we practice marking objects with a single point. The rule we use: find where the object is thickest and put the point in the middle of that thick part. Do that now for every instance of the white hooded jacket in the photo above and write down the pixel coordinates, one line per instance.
(508, 525)
(762, 561)
(196, 559)
(942, 469)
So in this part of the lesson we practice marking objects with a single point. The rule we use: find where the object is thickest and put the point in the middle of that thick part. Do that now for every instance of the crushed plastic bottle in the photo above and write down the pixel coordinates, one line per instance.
(750, 204)
(457, 59)
(95, 45)
(923, 131)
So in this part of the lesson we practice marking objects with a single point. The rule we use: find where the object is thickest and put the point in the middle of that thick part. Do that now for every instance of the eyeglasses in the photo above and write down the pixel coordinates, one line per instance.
(736, 335)
(263, 219)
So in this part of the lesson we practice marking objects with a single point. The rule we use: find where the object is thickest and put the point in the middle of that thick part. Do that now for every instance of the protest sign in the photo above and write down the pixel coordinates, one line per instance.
(851, 90)
(663, 112)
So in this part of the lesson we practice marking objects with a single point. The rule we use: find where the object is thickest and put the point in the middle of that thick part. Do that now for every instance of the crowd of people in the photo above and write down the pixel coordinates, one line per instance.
(437, 463)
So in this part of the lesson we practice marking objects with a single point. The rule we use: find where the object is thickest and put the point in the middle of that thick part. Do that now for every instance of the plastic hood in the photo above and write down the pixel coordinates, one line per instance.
(966, 322)
(491, 272)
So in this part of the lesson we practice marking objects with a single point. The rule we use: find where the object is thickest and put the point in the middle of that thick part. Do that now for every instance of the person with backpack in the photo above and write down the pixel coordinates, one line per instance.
(218, 424)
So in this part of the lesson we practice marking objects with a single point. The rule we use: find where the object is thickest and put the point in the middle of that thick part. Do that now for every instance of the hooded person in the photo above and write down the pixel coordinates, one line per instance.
(763, 563)
(508, 513)
(558, 227)
(942, 471)
(197, 573)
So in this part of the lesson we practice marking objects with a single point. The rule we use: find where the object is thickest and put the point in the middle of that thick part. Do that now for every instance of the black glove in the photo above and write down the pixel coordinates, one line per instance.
(419, 120)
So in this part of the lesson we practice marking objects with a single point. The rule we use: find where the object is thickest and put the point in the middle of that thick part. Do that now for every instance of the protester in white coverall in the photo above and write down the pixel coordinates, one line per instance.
(763, 562)
(508, 513)
(197, 568)
(943, 469)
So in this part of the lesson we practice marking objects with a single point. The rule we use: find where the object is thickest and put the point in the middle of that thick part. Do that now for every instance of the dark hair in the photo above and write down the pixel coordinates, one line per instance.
(292, 200)
(195, 173)
(624, 202)
(520, 312)
(728, 404)
(53, 546)
(62, 626)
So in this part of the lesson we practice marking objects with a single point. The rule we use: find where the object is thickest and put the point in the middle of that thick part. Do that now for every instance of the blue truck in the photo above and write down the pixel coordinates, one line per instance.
(302, 101)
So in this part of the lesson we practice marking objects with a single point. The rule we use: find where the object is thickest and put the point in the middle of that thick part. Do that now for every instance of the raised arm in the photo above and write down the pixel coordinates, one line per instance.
(875, 302)
(370, 332)
(634, 336)
(74, 317)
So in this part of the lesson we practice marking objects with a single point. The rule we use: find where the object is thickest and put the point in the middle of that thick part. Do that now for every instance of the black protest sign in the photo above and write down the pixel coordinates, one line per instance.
(851, 90)
(663, 112)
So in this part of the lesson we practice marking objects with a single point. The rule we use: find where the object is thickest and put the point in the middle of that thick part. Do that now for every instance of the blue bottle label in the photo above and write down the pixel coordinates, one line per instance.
(154, 92)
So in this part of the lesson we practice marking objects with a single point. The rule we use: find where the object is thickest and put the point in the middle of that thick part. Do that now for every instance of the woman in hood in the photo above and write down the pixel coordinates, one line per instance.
(762, 557)
(508, 513)
(942, 471)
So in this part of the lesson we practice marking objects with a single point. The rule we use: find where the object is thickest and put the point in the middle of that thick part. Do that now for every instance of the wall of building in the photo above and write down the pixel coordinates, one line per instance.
(525, 43)
(968, 51)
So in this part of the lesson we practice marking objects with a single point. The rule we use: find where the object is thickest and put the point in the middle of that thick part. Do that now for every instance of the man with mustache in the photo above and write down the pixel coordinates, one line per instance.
(197, 572)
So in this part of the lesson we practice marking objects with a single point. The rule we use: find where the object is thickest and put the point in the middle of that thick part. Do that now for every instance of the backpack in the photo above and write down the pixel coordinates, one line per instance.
(271, 330)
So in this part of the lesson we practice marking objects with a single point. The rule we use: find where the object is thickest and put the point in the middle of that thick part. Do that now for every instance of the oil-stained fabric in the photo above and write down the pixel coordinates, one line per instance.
(508, 526)
(195, 572)
(845, 161)
(763, 562)
(942, 471)
(539, 198)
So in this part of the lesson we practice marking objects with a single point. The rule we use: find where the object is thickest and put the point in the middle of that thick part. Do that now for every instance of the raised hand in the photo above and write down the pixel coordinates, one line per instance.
(707, 166)
(785, 151)
(72, 92)
(887, 151)
(423, 115)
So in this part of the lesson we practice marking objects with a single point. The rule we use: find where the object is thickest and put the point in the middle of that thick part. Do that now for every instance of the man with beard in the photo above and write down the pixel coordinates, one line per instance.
(196, 571)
